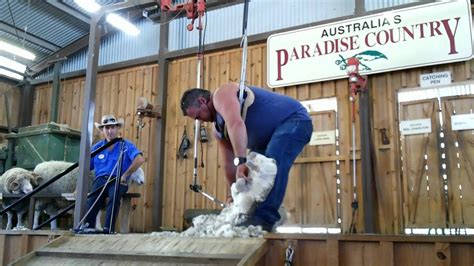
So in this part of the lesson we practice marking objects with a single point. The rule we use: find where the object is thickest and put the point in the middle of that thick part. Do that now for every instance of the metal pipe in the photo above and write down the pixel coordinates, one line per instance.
(47, 183)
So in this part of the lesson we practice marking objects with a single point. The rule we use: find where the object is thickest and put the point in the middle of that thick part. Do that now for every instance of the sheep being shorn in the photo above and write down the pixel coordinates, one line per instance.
(17, 181)
(66, 184)
(262, 171)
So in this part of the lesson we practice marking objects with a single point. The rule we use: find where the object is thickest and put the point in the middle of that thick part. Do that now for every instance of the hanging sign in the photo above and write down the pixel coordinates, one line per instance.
(435, 33)
(323, 138)
(412, 127)
(462, 122)
(435, 79)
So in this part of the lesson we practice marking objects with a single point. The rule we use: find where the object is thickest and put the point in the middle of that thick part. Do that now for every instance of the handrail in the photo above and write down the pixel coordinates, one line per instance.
(66, 209)
(47, 183)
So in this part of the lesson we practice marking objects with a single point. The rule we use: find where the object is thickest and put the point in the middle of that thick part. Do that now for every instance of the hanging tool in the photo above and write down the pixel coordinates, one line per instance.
(356, 82)
(289, 253)
(145, 109)
(194, 9)
(184, 146)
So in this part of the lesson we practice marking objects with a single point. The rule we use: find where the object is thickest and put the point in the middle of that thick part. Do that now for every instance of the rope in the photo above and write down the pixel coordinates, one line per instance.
(243, 44)
(103, 189)
(117, 187)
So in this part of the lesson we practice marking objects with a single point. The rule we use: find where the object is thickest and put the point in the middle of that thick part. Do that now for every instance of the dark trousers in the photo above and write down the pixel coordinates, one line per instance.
(108, 193)
(286, 143)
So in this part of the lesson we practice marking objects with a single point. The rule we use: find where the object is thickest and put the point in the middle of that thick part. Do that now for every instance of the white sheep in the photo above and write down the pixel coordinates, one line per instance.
(17, 181)
(66, 184)
(262, 172)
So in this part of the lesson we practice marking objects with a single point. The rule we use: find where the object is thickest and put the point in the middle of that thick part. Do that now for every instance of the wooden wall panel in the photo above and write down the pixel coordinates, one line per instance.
(116, 93)
(421, 170)
(15, 244)
(334, 250)
(12, 93)
(460, 147)
(303, 203)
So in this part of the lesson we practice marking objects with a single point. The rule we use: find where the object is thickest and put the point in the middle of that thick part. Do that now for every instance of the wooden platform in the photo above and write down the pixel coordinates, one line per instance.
(309, 249)
(141, 249)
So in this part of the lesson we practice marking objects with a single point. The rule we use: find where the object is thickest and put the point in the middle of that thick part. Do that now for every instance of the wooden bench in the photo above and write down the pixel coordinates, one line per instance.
(123, 218)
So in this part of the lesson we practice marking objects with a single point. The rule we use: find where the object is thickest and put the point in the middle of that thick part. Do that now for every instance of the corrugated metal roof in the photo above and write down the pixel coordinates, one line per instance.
(264, 15)
(39, 51)
(44, 20)
(72, 4)
(117, 47)
(371, 5)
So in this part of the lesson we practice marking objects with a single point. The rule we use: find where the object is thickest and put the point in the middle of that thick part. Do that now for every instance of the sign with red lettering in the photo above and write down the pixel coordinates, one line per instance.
(435, 33)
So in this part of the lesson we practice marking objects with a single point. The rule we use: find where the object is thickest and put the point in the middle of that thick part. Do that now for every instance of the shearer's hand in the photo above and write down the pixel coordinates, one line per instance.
(229, 200)
(242, 171)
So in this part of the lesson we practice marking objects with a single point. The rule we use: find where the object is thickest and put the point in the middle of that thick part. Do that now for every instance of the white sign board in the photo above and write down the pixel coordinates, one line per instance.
(462, 122)
(323, 138)
(435, 33)
(412, 127)
(435, 79)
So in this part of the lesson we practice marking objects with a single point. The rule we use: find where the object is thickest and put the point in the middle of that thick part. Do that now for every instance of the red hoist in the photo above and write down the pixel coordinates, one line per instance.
(194, 9)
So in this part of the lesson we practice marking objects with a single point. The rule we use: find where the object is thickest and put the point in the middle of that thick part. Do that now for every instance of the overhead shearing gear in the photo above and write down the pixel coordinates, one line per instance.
(243, 44)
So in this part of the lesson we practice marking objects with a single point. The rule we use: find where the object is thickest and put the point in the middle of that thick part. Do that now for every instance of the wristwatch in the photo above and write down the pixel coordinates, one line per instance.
(239, 160)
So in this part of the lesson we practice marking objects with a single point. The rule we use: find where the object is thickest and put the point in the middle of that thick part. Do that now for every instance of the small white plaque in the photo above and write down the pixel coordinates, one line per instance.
(412, 127)
(435, 79)
(462, 122)
(323, 138)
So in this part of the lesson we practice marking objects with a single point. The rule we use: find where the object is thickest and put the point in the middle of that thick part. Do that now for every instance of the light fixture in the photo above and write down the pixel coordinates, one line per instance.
(11, 64)
(122, 24)
(8, 73)
(16, 50)
(88, 5)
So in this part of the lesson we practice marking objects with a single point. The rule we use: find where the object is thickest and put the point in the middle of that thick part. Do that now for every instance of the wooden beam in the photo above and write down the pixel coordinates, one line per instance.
(443, 254)
(374, 238)
(179, 257)
(332, 247)
(386, 253)
(2, 250)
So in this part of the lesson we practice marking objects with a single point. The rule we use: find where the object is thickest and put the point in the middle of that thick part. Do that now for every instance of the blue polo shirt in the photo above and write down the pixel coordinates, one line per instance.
(104, 162)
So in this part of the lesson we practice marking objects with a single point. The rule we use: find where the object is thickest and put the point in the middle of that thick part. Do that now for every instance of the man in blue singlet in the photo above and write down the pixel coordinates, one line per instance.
(106, 164)
(274, 125)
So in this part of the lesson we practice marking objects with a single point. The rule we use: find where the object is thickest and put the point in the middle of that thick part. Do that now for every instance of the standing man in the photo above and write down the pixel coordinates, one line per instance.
(106, 164)
(271, 124)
